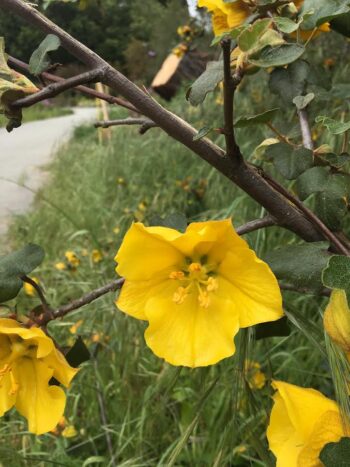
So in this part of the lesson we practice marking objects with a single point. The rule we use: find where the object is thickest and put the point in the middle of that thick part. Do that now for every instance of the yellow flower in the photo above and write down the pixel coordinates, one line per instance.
(196, 289)
(60, 266)
(302, 422)
(29, 289)
(121, 181)
(72, 259)
(28, 361)
(96, 256)
(256, 378)
(74, 328)
(116, 230)
(226, 16)
(69, 432)
(336, 319)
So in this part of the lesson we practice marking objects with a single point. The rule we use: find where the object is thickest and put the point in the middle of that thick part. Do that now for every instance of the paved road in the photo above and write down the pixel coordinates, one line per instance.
(23, 153)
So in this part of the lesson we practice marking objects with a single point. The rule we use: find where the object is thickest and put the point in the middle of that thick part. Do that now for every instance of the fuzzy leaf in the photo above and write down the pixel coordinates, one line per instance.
(264, 117)
(336, 454)
(301, 102)
(334, 127)
(40, 60)
(290, 162)
(207, 82)
(323, 11)
(277, 56)
(337, 274)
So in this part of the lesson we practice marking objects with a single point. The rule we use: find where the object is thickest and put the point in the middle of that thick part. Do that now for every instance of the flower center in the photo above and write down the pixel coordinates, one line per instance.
(196, 278)
(18, 348)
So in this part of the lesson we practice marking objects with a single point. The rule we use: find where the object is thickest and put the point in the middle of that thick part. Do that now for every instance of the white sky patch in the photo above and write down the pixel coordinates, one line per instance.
(192, 4)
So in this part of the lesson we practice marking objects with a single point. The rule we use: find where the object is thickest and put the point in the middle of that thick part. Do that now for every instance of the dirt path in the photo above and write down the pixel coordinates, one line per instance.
(22, 154)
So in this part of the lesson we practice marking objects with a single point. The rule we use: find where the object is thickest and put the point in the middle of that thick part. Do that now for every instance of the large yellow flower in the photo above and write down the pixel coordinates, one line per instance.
(196, 289)
(302, 422)
(226, 16)
(28, 361)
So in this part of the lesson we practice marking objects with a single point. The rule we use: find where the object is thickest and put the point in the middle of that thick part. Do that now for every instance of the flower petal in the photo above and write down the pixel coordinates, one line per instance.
(146, 252)
(133, 296)
(336, 319)
(305, 406)
(42, 405)
(284, 441)
(189, 335)
(328, 429)
(39, 338)
(254, 288)
(62, 371)
(7, 398)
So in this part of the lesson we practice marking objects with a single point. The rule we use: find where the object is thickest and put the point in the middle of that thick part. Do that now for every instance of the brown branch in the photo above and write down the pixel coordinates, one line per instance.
(126, 121)
(267, 221)
(232, 150)
(245, 176)
(305, 129)
(54, 89)
(39, 291)
(82, 301)
(21, 66)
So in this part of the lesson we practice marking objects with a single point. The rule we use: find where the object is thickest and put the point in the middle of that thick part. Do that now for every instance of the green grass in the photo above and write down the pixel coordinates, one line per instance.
(39, 112)
(156, 414)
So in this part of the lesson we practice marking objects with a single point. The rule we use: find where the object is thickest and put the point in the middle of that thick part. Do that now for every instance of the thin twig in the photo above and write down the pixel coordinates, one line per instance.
(232, 150)
(39, 291)
(305, 129)
(279, 135)
(19, 65)
(54, 89)
(267, 221)
(82, 301)
(126, 121)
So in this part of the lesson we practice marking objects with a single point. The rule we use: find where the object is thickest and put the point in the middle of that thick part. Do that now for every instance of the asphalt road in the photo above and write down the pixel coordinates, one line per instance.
(24, 152)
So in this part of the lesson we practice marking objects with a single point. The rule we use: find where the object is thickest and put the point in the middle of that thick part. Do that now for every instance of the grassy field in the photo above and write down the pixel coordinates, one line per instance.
(125, 402)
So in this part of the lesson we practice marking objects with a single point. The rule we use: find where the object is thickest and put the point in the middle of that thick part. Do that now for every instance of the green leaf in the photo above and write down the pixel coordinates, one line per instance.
(40, 60)
(333, 126)
(277, 56)
(342, 24)
(324, 10)
(300, 265)
(335, 160)
(331, 210)
(207, 82)
(286, 25)
(290, 162)
(249, 38)
(14, 266)
(336, 454)
(202, 132)
(264, 117)
(291, 82)
(301, 102)
(279, 328)
(312, 181)
(336, 275)
(78, 353)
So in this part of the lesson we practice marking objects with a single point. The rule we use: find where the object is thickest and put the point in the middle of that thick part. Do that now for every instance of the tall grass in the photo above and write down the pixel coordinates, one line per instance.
(153, 413)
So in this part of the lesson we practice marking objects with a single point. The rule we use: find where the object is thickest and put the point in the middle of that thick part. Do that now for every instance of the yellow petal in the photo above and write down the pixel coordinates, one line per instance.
(187, 334)
(133, 297)
(328, 429)
(252, 287)
(336, 319)
(304, 406)
(146, 252)
(284, 441)
(62, 371)
(7, 398)
(39, 338)
(42, 405)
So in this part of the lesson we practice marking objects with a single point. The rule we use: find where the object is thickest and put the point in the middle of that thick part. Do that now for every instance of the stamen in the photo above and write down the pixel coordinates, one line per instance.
(177, 275)
(180, 295)
(212, 284)
(204, 299)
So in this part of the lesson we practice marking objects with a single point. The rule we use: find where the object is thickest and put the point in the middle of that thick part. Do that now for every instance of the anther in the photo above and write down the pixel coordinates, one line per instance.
(180, 295)
(212, 284)
(177, 275)
(195, 267)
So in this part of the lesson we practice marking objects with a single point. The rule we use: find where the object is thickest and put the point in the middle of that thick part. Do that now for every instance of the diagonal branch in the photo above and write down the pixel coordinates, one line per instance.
(267, 221)
(232, 150)
(145, 123)
(305, 129)
(54, 89)
(21, 66)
